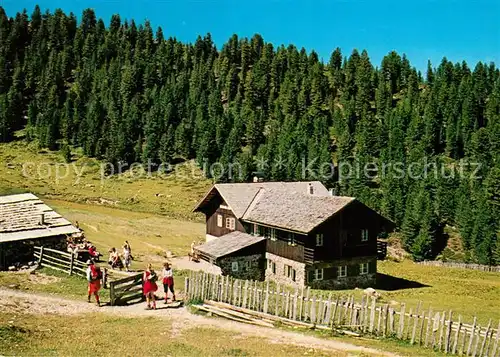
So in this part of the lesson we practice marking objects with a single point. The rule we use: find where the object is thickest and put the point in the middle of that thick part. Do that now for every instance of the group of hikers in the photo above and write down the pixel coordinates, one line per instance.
(117, 261)
(149, 278)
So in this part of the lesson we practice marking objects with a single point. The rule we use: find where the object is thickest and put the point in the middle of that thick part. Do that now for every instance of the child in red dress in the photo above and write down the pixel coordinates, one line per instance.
(149, 278)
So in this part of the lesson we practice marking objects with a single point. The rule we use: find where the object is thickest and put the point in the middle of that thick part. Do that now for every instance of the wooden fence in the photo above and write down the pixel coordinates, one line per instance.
(488, 268)
(59, 260)
(125, 290)
(439, 330)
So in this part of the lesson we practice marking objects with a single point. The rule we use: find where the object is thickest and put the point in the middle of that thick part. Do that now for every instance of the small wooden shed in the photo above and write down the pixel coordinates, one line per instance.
(25, 222)
(238, 254)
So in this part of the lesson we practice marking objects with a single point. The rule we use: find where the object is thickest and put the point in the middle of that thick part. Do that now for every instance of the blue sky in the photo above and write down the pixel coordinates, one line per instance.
(458, 29)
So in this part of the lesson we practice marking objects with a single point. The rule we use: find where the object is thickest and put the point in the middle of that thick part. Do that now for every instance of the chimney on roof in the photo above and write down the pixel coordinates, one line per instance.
(42, 219)
(310, 189)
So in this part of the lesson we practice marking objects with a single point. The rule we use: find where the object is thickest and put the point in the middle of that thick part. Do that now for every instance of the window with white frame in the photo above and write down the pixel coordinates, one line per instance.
(234, 266)
(364, 235)
(219, 220)
(318, 274)
(290, 272)
(342, 271)
(291, 238)
(271, 265)
(363, 268)
(272, 233)
(255, 230)
(319, 240)
(230, 223)
(247, 266)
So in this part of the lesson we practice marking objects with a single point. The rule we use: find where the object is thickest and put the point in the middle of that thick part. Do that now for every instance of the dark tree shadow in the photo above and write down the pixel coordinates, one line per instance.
(391, 283)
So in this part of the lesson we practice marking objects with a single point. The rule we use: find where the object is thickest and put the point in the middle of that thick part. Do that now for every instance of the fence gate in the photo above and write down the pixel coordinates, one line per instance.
(126, 290)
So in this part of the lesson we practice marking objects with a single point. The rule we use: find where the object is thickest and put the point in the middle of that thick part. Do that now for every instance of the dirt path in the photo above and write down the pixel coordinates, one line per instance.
(20, 302)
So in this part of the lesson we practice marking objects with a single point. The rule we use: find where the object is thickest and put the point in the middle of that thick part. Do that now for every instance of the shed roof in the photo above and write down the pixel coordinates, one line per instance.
(20, 219)
(228, 243)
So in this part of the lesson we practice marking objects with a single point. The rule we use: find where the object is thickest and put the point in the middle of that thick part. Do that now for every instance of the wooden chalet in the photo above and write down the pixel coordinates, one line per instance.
(25, 222)
(306, 235)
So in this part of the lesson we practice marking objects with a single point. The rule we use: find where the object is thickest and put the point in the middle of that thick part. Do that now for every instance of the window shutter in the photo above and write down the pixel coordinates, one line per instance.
(310, 275)
(372, 266)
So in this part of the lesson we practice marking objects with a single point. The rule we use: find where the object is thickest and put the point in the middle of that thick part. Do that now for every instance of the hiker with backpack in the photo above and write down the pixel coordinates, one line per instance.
(94, 276)
(149, 279)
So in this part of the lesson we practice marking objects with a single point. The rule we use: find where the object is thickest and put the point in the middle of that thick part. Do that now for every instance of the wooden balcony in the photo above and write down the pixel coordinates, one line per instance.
(283, 249)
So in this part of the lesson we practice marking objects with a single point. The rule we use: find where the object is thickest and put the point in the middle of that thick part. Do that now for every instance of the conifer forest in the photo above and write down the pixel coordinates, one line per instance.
(428, 142)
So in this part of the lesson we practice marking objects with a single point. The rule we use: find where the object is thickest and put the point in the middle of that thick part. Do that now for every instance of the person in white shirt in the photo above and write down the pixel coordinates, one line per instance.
(126, 257)
(168, 281)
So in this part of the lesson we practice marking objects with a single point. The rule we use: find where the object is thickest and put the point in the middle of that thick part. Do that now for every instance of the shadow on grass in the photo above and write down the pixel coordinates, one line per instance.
(391, 283)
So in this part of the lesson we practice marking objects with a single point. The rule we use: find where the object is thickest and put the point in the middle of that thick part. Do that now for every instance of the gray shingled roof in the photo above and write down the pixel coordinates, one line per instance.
(297, 212)
(239, 196)
(20, 219)
(227, 244)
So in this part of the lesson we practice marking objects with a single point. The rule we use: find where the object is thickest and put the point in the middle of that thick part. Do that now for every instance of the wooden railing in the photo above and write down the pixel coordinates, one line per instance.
(439, 330)
(285, 250)
(381, 250)
(61, 261)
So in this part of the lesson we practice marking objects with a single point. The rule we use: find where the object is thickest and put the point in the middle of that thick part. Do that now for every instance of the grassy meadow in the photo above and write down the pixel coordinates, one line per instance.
(102, 335)
(25, 168)
(154, 215)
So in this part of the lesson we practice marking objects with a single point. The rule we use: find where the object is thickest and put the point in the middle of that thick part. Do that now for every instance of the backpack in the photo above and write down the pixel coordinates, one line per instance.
(154, 277)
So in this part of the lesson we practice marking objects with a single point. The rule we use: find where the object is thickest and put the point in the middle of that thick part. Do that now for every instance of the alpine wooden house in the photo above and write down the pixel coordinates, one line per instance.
(25, 222)
(291, 232)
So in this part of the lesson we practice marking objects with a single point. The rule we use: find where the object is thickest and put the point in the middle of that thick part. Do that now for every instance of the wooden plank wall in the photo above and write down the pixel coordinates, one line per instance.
(443, 331)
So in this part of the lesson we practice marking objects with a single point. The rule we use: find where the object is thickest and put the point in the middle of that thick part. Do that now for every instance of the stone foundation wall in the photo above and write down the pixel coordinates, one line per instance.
(331, 280)
(280, 276)
(250, 267)
(349, 282)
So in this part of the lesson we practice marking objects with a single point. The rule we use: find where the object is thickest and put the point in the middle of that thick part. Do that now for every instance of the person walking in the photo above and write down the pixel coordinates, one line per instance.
(149, 278)
(126, 257)
(168, 281)
(94, 276)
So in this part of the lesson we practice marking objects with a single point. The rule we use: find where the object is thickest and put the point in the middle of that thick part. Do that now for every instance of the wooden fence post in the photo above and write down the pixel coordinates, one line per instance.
(105, 278)
(485, 338)
(313, 310)
(71, 262)
(428, 328)
(457, 335)
(41, 257)
(277, 300)
(186, 288)
(401, 321)
(435, 327)
(301, 303)
(497, 339)
(111, 294)
(447, 337)
(372, 315)
(266, 298)
(471, 337)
